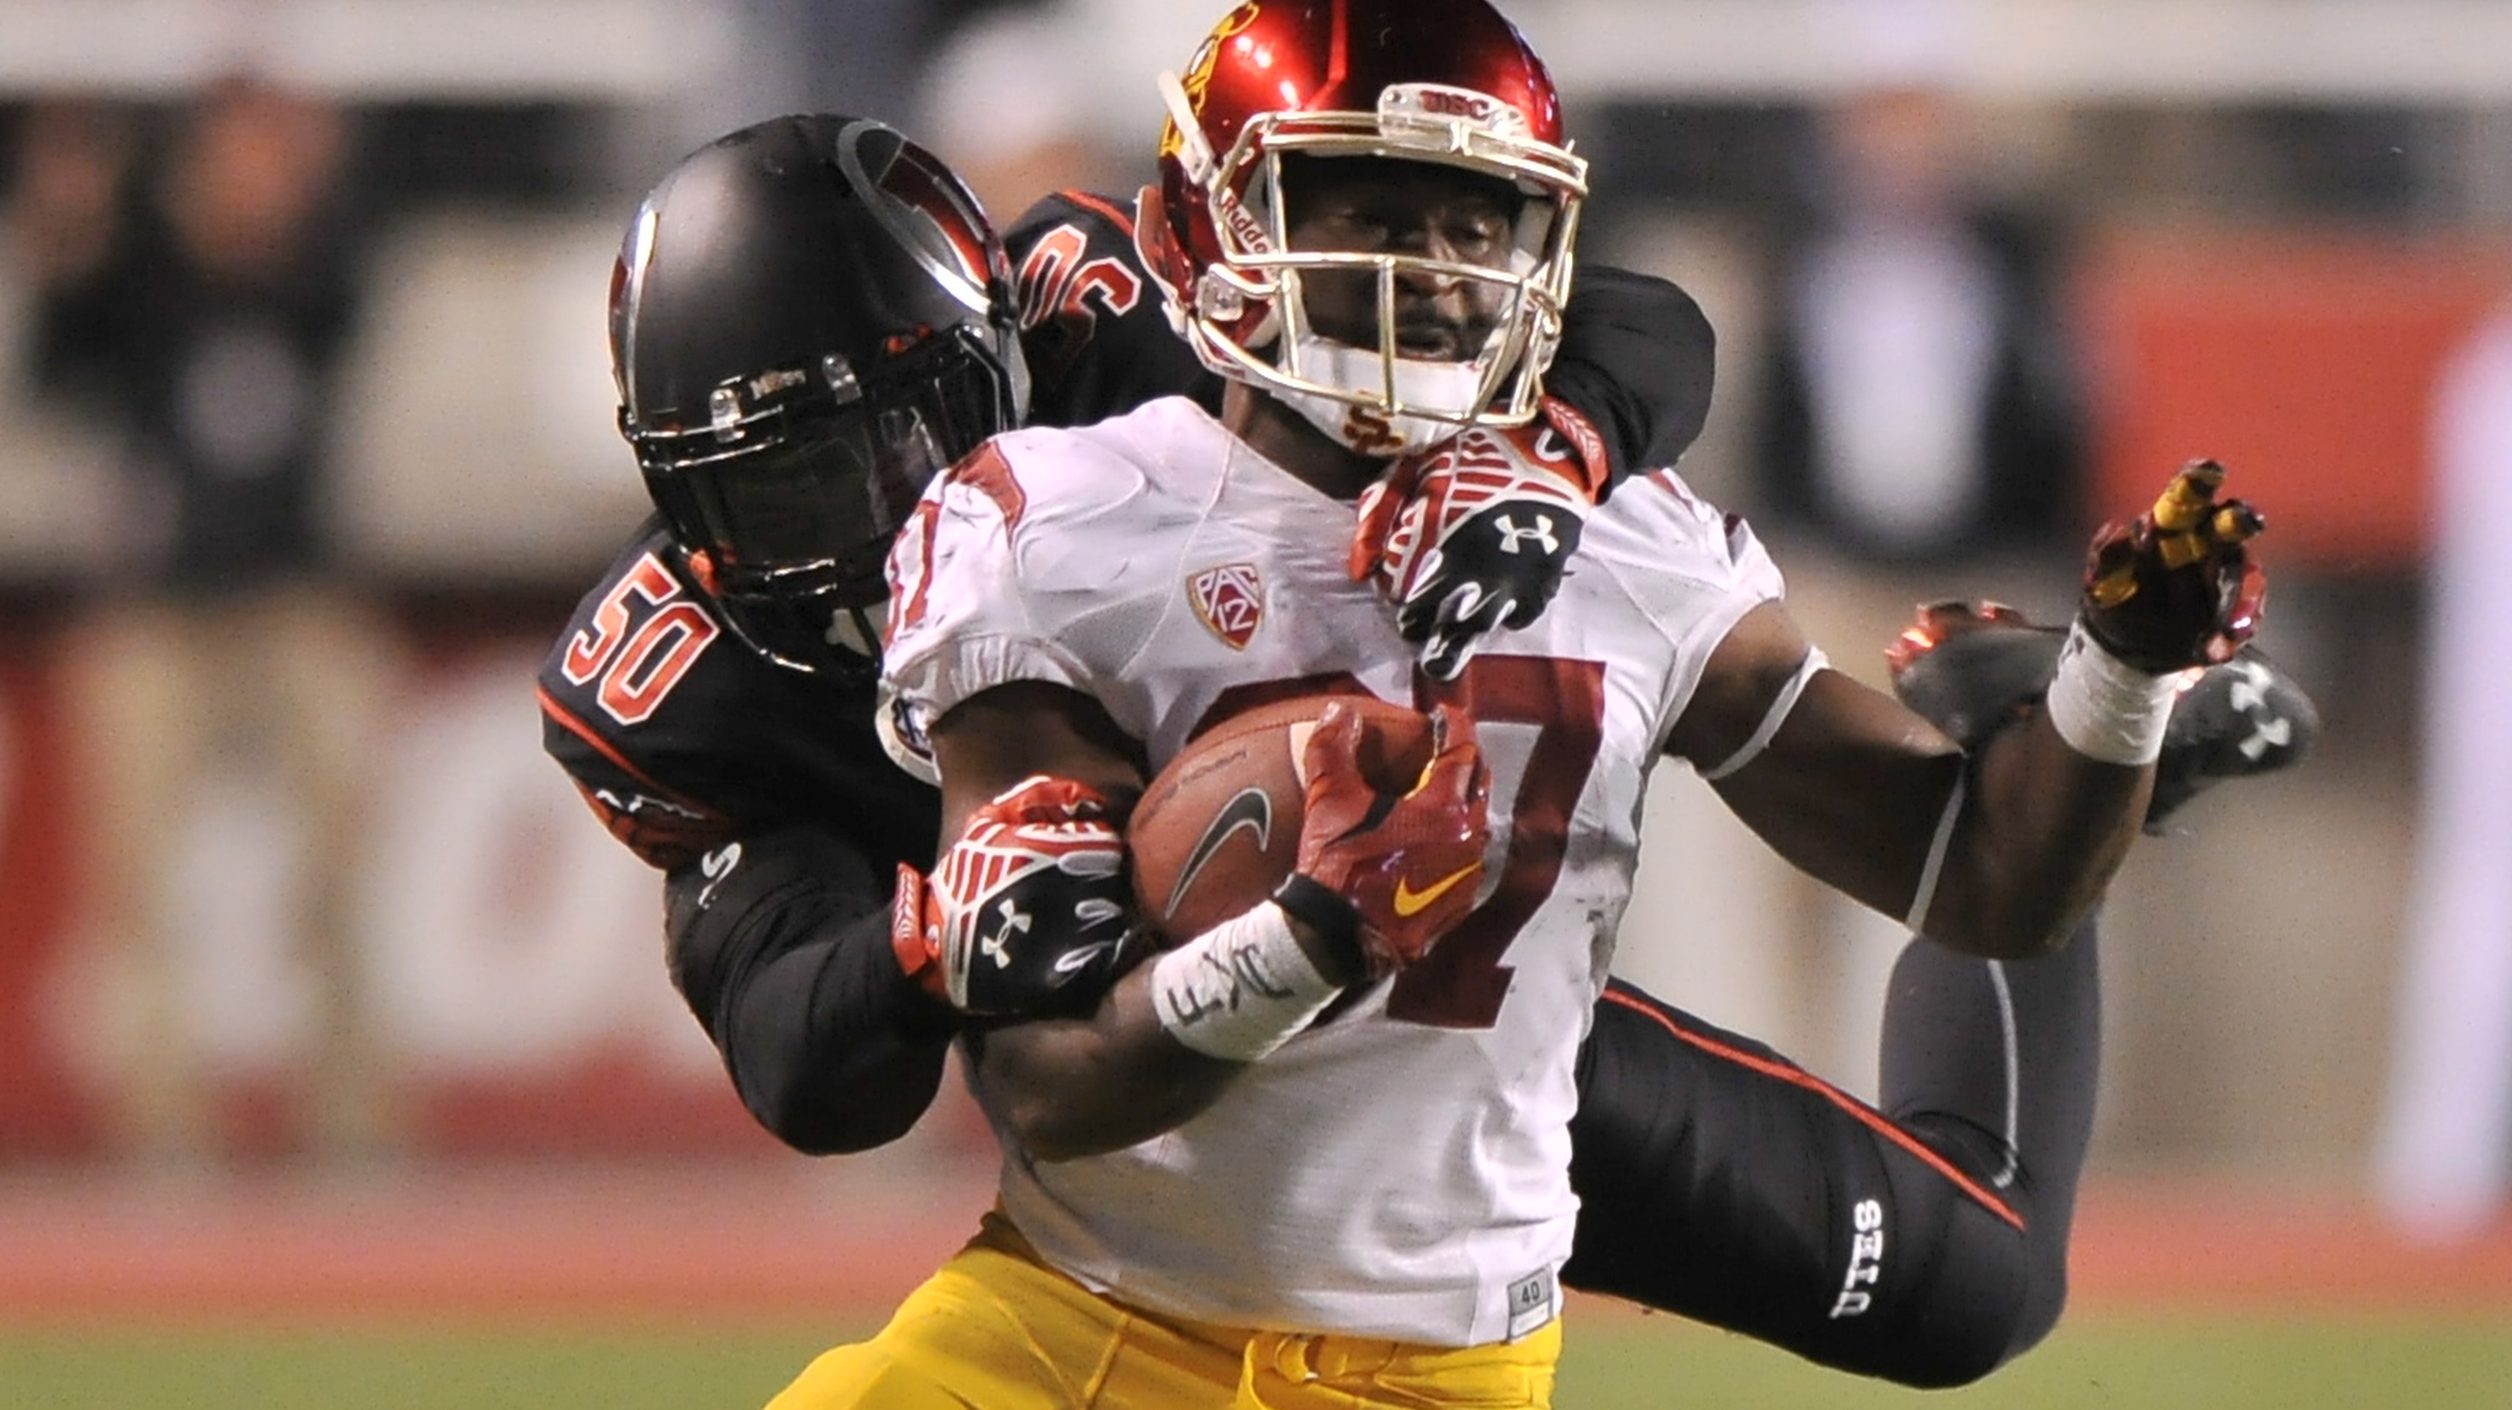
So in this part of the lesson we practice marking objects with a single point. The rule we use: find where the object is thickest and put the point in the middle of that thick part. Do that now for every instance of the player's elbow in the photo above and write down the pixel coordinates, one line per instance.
(1060, 1122)
(1051, 1142)
(818, 1123)
(1052, 1132)
(842, 1101)
(1975, 1341)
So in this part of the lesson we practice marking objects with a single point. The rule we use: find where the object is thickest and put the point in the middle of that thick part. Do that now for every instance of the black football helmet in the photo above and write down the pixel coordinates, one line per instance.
(810, 318)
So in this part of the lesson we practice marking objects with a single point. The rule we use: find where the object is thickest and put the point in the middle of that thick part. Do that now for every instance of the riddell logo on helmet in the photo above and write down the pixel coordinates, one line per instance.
(1249, 231)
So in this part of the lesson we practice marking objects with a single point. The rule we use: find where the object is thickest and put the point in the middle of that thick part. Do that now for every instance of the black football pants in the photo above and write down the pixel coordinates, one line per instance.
(1925, 1243)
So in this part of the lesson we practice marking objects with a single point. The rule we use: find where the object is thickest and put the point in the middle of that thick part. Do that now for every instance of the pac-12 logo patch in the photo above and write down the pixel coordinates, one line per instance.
(1231, 600)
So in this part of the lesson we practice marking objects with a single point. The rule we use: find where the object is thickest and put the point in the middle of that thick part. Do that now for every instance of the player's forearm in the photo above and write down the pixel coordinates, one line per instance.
(1167, 1039)
(785, 959)
(2038, 833)
(826, 1046)
(1067, 1088)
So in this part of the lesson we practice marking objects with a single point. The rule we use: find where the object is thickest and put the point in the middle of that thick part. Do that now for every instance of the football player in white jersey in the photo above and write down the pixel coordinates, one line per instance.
(1372, 1206)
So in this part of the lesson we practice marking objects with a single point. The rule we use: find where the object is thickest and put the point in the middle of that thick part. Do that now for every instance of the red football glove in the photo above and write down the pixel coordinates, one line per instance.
(2174, 588)
(1028, 913)
(1473, 534)
(1404, 867)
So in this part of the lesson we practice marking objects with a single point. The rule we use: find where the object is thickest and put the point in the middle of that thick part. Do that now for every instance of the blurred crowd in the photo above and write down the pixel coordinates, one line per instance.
(302, 364)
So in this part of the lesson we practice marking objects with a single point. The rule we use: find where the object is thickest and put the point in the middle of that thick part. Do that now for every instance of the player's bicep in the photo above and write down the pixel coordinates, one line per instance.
(989, 743)
(1849, 786)
(758, 895)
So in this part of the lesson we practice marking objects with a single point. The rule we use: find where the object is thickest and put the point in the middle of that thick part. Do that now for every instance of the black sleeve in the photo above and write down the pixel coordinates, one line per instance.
(1637, 358)
(1093, 326)
(781, 945)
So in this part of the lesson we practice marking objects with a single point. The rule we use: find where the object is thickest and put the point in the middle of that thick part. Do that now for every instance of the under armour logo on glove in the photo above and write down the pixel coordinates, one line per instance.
(1473, 535)
(1010, 920)
(1028, 913)
(1540, 533)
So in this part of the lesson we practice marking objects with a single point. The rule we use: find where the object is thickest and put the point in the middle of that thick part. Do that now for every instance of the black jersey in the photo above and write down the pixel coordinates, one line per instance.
(683, 738)
(1092, 323)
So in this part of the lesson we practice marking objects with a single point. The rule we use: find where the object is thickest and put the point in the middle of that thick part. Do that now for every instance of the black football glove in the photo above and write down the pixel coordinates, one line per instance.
(1029, 913)
(2174, 587)
(1473, 535)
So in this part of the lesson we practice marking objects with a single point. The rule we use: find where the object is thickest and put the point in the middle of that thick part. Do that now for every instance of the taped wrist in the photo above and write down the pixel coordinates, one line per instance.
(2106, 709)
(1241, 989)
(1335, 920)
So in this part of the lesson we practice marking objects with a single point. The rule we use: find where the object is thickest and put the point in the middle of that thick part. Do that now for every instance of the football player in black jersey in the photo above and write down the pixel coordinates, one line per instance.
(810, 318)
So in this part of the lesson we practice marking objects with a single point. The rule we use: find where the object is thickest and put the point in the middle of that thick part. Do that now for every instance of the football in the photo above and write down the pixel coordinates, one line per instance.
(1219, 829)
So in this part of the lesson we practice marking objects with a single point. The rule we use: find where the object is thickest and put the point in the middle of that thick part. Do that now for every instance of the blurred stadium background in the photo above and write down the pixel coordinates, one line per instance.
(392, 1092)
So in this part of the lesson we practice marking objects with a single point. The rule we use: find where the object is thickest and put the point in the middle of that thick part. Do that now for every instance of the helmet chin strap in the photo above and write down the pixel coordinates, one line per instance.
(1450, 386)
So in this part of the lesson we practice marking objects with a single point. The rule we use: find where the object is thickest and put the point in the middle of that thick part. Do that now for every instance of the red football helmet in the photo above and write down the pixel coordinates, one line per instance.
(1449, 82)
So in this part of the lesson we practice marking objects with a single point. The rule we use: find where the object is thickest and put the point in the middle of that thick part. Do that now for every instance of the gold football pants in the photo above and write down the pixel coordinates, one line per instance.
(998, 1330)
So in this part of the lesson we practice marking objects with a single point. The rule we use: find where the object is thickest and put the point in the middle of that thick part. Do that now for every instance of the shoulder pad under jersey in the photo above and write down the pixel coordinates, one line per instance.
(681, 737)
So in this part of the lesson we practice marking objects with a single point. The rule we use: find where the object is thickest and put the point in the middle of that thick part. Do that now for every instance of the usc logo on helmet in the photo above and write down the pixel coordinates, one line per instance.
(1198, 75)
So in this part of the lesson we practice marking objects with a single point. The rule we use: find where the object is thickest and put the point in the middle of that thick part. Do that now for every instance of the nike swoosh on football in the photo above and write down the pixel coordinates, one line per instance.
(1250, 808)
(1410, 902)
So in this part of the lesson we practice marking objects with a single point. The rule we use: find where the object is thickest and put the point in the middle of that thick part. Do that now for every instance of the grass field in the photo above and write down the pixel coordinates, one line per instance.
(1616, 1362)
(567, 1286)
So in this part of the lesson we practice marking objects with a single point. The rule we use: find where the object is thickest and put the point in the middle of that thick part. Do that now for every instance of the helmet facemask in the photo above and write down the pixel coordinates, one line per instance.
(1249, 313)
(810, 319)
(789, 497)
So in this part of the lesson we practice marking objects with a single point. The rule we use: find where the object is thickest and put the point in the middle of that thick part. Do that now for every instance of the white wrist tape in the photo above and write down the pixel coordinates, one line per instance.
(2105, 709)
(1241, 989)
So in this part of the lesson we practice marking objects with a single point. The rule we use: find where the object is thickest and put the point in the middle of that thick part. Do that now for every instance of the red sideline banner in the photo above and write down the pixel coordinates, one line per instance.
(509, 952)
(46, 1106)
(2306, 363)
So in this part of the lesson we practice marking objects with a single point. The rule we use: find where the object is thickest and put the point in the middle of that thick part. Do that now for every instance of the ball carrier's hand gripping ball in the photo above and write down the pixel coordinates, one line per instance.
(1374, 806)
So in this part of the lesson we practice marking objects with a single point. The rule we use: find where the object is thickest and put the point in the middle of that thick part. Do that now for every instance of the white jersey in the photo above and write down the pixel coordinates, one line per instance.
(1402, 1169)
